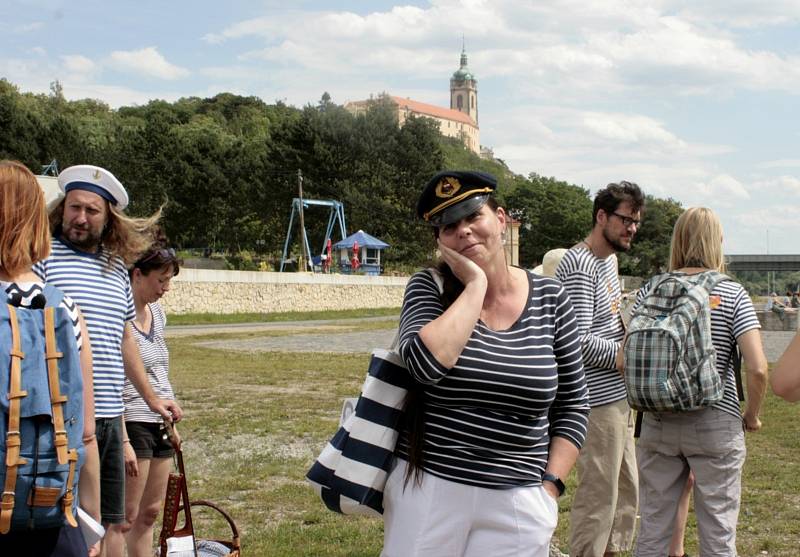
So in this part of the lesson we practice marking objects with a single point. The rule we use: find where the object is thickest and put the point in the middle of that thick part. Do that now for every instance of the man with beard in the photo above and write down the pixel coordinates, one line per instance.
(604, 508)
(93, 242)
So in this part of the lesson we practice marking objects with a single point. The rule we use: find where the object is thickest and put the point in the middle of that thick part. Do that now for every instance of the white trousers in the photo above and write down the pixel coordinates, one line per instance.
(441, 518)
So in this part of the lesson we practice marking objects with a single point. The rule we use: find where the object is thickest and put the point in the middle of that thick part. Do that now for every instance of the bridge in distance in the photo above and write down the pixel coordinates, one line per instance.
(763, 262)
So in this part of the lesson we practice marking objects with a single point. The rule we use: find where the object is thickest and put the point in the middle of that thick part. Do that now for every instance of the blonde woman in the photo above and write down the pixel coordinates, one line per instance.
(710, 442)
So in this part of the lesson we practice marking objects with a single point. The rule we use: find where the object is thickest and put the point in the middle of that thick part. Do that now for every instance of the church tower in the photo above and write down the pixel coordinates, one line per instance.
(464, 89)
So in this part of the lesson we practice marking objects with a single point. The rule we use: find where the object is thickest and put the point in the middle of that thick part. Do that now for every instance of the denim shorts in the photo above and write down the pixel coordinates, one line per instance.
(147, 440)
(112, 469)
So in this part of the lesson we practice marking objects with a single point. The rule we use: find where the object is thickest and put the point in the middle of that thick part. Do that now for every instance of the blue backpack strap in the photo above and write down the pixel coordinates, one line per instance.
(53, 295)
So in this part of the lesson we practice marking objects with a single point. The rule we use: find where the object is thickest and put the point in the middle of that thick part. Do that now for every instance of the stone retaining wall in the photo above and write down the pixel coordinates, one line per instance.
(215, 291)
(772, 321)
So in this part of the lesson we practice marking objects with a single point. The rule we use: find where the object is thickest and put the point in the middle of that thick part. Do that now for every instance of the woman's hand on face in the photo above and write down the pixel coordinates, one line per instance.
(464, 268)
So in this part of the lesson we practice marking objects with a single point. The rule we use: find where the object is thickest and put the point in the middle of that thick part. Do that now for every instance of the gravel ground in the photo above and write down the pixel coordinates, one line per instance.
(775, 342)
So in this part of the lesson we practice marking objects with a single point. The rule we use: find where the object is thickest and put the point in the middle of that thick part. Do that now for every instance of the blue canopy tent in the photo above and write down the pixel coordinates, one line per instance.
(369, 252)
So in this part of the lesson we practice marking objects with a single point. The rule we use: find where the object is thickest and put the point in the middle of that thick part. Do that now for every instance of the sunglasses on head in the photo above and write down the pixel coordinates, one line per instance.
(166, 254)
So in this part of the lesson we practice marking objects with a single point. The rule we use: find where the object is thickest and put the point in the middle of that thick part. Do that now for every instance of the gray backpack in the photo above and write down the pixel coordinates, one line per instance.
(670, 361)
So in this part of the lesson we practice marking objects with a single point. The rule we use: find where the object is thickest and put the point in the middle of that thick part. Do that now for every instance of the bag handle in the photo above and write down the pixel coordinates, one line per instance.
(234, 529)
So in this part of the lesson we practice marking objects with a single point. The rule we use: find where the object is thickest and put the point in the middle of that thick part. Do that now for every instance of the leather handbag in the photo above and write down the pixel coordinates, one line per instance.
(351, 471)
(182, 542)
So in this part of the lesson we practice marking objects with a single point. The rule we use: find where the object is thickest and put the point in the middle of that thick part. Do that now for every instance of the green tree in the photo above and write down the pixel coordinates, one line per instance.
(552, 214)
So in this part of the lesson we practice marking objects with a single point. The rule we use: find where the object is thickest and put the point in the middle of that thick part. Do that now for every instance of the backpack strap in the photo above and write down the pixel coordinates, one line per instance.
(736, 356)
(711, 279)
(15, 393)
(69, 497)
(52, 355)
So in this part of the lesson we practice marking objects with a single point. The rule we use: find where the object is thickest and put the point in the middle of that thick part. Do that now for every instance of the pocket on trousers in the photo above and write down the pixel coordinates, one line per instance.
(718, 433)
(651, 434)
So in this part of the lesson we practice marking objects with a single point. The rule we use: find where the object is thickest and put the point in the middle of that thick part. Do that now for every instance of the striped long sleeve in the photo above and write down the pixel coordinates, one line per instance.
(489, 419)
(593, 288)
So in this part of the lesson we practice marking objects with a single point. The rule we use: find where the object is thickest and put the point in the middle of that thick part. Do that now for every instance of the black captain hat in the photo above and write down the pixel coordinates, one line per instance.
(452, 195)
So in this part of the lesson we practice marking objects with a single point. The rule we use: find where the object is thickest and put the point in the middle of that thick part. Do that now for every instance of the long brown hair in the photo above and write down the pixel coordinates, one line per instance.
(24, 234)
(123, 236)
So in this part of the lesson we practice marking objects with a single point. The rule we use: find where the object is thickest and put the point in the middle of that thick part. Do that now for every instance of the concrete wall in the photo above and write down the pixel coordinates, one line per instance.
(215, 291)
(771, 321)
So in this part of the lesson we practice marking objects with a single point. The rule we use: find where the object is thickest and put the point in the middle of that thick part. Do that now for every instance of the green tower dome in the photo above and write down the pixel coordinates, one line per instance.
(463, 73)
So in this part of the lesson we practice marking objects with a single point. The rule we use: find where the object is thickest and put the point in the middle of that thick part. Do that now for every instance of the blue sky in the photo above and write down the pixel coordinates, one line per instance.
(693, 99)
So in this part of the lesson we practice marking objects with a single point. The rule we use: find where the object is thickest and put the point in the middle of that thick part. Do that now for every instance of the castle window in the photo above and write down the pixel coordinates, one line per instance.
(460, 102)
(472, 100)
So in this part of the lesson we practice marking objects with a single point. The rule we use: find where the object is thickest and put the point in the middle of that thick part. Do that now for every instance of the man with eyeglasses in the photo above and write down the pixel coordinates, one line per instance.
(604, 508)
(93, 243)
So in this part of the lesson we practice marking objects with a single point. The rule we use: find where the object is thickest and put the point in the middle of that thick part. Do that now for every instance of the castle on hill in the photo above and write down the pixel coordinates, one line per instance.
(459, 121)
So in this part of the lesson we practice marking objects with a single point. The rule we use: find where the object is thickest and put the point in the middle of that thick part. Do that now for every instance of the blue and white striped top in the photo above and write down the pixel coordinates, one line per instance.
(593, 287)
(155, 357)
(102, 290)
(733, 316)
(489, 420)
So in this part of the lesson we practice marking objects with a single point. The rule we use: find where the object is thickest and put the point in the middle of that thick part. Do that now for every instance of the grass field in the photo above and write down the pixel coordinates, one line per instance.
(227, 318)
(255, 422)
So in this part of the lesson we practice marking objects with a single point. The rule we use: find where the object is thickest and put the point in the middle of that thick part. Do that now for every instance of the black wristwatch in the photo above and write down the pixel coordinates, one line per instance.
(556, 481)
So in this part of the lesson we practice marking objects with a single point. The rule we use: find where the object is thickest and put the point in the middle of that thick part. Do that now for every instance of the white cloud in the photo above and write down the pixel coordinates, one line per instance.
(781, 163)
(721, 190)
(75, 63)
(779, 186)
(739, 13)
(631, 129)
(148, 62)
(29, 27)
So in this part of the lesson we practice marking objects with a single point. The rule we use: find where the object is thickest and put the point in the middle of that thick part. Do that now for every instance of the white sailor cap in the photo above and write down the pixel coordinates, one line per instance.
(96, 180)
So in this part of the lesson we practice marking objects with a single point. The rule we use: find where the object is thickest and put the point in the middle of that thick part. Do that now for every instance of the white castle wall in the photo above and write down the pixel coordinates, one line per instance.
(214, 291)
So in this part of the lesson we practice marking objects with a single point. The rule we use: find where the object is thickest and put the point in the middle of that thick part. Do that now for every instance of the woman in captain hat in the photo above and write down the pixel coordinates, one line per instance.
(500, 408)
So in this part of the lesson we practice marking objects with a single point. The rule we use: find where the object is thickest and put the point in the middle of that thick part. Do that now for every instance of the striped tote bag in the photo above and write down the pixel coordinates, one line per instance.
(350, 473)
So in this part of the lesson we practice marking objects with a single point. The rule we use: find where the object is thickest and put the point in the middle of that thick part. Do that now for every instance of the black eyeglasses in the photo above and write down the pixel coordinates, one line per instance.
(166, 254)
(627, 221)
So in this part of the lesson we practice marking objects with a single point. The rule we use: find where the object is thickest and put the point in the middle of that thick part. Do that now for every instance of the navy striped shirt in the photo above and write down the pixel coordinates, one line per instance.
(593, 287)
(489, 420)
(732, 317)
(102, 290)
(155, 357)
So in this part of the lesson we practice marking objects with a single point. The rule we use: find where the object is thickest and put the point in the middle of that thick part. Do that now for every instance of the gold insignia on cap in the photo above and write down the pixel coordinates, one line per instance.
(96, 175)
(447, 187)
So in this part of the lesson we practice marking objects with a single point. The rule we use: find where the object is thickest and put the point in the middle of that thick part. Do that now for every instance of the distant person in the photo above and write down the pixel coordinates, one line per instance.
(709, 442)
(604, 508)
(795, 302)
(148, 454)
(500, 405)
(25, 240)
(93, 242)
(785, 376)
(787, 300)
(777, 306)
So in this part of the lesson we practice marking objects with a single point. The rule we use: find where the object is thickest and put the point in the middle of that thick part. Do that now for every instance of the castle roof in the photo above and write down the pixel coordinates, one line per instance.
(432, 110)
